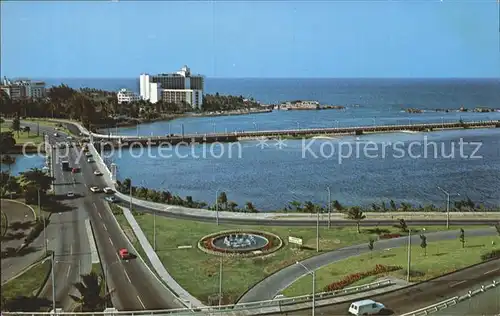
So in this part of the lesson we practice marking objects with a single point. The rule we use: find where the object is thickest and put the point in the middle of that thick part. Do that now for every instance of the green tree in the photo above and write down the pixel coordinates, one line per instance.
(309, 207)
(371, 242)
(337, 206)
(90, 299)
(222, 199)
(296, 205)
(423, 243)
(27, 129)
(8, 160)
(16, 125)
(402, 225)
(393, 206)
(462, 237)
(250, 208)
(355, 213)
(33, 180)
(233, 206)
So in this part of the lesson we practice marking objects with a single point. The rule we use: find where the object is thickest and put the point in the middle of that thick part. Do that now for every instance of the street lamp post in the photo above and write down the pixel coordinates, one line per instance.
(329, 206)
(313, 285)
(220, 283)
(217, 207)
(409, 256)
(52, 257)
(447, 206)
(317, 229)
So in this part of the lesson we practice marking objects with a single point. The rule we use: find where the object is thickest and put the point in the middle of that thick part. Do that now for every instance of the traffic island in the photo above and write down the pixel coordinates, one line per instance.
(435, 259)
(21, 293)
(199, 272)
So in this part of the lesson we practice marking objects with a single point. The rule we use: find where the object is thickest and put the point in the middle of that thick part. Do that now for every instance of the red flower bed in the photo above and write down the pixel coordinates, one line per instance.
(350, 279)
(388, 236)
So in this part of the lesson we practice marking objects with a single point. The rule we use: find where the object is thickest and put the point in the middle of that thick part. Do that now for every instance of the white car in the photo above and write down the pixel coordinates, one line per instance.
(97, 173)
(108, 190)
(70, 194)
(90, 160)
(366, 307)
(95, 189)
(56, 135)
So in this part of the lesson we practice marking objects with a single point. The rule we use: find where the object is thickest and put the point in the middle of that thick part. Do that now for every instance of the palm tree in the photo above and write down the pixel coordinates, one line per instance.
(355, 213)
(337, 206)
(222, 199)
(250, 208)
(90, 299)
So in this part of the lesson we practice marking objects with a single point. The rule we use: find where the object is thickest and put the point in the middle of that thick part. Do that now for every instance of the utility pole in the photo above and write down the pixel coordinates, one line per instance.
(131, 195)
(313, 285)
(53, 282)
(220, 283)
(329, 207)
(447, 206)
(409, 256)
(217, 206)
(317, 229)
(43, 221)
(154, 230)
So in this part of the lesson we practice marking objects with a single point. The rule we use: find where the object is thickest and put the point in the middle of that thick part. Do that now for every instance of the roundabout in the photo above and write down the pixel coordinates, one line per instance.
(240, 243)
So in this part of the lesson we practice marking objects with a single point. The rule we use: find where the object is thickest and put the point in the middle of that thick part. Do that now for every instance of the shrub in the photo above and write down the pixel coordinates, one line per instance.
(491, 255)
(350, 279)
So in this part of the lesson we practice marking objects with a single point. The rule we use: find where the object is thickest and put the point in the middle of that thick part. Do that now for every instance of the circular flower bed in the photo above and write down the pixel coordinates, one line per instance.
(211, 244)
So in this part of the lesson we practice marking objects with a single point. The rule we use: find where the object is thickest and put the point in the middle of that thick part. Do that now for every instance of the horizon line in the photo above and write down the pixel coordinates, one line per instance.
(267, 78)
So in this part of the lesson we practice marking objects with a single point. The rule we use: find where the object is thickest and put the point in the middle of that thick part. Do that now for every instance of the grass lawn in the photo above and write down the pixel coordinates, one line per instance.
(198, 272)
(24, 137)
(28, 283)
(442, 257)
(44, 122)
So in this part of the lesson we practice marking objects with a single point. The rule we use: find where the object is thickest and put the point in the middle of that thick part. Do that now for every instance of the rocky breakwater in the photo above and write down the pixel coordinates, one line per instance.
(461, 109)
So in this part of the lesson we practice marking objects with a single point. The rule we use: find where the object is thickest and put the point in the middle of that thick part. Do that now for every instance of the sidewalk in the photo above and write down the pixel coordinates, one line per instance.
(157, 264)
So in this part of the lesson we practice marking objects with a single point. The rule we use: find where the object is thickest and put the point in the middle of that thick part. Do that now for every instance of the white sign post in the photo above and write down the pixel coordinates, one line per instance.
(295, 240)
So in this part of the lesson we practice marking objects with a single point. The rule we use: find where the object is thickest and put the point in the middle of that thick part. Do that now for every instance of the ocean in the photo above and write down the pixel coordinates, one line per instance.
(272, 175)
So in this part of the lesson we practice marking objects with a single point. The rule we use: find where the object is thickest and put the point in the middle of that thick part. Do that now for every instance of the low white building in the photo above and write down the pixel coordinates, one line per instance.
(127, 96)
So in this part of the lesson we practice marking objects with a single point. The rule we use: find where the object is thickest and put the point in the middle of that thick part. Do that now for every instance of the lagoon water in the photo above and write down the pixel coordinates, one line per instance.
(24, 163)
(271, 177)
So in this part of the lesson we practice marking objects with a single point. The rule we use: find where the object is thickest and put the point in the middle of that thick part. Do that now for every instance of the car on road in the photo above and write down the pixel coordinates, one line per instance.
(90, 160)
(75, 170)
(88, 155)
(70, 194)
(366, 307)
(56, 135)
(111, 199)
(95, 189)
(69, 138)
(108, 190)
(97, 173)
(123, 253)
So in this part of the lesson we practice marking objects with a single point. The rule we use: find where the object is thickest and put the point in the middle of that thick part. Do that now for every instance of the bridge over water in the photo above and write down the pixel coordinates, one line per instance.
(126, 141)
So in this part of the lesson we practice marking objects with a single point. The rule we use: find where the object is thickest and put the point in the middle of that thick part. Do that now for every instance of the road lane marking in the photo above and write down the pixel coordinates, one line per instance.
(110, 241)
(71, 249)
(126, 274)
(100, 215)
(117, 256)
(144, 307)
(104, 227)
(67, 274)
(455, 284)
(491, 271)
(95, 206)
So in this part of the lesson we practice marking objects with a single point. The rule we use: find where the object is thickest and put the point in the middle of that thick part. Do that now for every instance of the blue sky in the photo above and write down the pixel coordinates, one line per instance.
(426, 38)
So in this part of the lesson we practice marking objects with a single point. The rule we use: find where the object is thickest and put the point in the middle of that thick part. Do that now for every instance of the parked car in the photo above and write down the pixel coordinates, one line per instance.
(95, 189)
(88, 155)
(97, 173)
(75, 170)
(123, 253)
(90, 160)
(70, 194)
(366, 307)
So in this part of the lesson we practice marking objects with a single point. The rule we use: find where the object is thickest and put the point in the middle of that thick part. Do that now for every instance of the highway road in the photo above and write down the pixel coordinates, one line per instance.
(424, 294)
(271, 286)
(132, 284)
(487, 303)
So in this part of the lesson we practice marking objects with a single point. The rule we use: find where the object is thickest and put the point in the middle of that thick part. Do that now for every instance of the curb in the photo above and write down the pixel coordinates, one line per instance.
(18, 202)
(38, 261)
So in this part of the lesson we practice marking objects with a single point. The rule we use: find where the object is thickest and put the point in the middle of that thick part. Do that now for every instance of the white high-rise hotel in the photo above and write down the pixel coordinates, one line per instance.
(173, 87)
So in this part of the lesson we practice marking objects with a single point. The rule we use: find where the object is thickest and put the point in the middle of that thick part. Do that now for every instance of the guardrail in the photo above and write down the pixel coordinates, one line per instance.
(451, 301)
(252, 308)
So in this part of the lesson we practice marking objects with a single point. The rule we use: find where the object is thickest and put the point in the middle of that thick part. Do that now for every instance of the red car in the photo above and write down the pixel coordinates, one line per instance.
(124, 254)
(75, 170)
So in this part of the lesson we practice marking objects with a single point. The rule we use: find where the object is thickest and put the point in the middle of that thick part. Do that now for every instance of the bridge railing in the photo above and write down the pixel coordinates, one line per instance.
(451, 301)
(252, 308)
